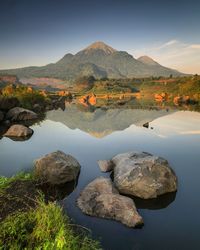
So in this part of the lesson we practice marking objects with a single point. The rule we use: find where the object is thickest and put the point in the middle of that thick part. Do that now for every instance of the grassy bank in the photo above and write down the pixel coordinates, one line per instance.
(42, 225)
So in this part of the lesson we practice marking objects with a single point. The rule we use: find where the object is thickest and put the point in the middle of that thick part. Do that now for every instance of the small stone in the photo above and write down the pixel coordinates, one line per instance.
(105, 165)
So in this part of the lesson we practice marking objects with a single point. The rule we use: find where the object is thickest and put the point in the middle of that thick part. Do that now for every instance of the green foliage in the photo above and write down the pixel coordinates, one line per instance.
(5, 181)
(27, 100)
(26, 95)
(45, 227)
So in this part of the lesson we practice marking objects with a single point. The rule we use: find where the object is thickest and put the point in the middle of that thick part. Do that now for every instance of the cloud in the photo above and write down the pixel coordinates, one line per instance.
(194, 46)
(171, 42)
(175, 54)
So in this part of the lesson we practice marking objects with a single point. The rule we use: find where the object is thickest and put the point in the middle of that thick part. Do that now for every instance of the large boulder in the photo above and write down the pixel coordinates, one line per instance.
(101, 199)
(57, 168)
(143, 175)
(1, 116)
(7, 103)
(18, 131)
(20, 114)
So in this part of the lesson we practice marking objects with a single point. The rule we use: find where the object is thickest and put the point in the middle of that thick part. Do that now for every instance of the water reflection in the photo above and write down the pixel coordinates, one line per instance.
(160, 202)
(58, 192)
(103, 133)
(102, 122)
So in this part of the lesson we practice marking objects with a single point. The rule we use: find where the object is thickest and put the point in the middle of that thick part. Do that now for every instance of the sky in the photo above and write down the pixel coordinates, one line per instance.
(38, 32)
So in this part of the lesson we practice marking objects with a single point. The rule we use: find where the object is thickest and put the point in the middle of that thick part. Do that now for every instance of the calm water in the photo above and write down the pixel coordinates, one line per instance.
(171, 222)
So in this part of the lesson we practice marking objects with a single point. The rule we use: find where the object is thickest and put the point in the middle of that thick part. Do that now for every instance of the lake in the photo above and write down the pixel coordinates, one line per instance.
(171, 221)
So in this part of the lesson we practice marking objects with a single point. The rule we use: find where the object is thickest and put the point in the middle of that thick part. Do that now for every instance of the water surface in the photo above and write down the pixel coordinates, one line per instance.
(172, 221)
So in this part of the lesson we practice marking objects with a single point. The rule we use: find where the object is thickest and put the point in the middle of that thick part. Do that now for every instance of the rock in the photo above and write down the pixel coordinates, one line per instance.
(7, 103)
(57, 168)
(92, 99)
(1, 116)
(105, 165)
(146, 125)
(143, 175)
(37, 108)
(20, 114)
(18, 131)
(161, 97)
(101, 199)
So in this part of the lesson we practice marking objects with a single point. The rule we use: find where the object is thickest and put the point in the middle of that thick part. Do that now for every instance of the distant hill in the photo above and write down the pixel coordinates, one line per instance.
(99, 60)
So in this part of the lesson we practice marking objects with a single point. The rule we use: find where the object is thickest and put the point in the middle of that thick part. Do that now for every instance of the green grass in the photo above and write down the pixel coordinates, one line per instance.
(45, 227)
(5, 181)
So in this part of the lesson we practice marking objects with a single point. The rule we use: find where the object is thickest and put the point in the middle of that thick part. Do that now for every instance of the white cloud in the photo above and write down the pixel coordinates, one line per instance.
(194, 46)
(175, 54)
(171, 42)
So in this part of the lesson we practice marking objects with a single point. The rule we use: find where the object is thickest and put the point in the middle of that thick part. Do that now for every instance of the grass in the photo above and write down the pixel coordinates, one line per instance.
(44, 226)
(6, 181)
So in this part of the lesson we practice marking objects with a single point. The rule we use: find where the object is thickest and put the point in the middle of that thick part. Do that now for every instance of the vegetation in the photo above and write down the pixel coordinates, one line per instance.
(148, 87)
(5, 181)
(45, 227)
(189, 85)
(42, 226)
(26, 95)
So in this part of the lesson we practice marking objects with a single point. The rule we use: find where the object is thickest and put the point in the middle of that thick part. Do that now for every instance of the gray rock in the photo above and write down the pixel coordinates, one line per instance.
(20, 114)
(101, 199)
(1, 116)
(143, 175)
(57, 168)
(37, 107)
(7, 103)
(18, 131)
(105, 165)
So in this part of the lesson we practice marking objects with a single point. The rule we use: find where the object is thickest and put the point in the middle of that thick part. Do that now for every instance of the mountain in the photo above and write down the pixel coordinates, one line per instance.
(99, 60)
(147, 60)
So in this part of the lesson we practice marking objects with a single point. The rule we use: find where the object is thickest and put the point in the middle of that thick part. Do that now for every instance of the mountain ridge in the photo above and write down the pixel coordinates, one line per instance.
(99, 60)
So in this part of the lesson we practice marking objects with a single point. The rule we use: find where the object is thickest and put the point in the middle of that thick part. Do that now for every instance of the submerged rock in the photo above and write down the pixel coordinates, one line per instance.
(18, 131)
(57, 168)
(20, 114)
(105, 165)
(100, 198)
(143, 175)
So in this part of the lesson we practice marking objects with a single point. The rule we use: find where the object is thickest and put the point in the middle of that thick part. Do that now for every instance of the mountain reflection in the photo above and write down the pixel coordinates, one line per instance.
(102, 122)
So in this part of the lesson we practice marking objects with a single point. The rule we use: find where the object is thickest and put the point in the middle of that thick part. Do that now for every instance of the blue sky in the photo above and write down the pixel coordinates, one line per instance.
(40, 32)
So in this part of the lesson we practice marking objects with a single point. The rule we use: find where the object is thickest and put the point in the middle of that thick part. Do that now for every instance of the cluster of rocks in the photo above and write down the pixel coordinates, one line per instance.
(180, 100)
(137, 174)
(88, 100)
(11, 115)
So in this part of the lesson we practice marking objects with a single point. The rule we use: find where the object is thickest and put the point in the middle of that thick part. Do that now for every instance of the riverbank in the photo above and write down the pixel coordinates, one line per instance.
(30, 219)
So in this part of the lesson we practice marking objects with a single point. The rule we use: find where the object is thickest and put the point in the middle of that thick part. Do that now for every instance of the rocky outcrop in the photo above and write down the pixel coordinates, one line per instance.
(180, 100)
(105, 165)
(18, 131)
(161, 97)
(20, 114)
(57, 168)
(143, 175)
(101, 199)
(88, 99)
(7, 103)
(1, 116)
